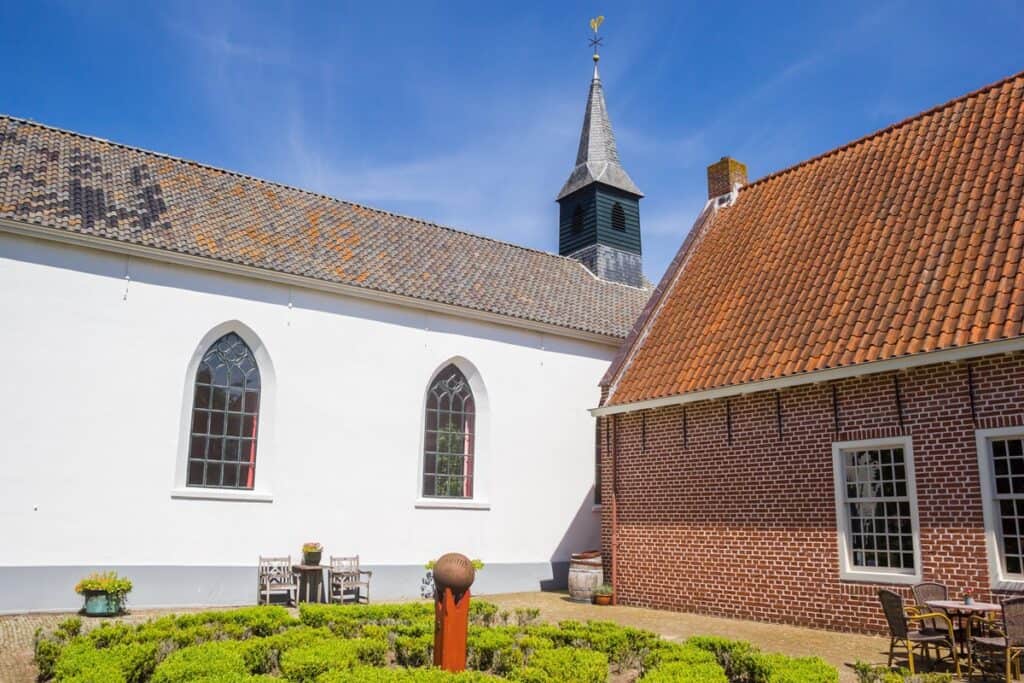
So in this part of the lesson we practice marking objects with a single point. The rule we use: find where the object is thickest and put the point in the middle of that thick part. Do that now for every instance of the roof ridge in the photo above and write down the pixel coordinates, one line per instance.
(882, 131)
(286, 186)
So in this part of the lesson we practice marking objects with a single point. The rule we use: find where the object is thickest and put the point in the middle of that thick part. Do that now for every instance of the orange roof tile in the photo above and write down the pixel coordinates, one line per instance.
(906, 241)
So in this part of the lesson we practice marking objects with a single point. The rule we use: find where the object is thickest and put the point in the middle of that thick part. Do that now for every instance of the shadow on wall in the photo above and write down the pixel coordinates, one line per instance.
(584, 533)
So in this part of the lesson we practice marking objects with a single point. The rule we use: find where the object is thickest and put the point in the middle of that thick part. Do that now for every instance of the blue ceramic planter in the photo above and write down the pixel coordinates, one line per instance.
(101, 605)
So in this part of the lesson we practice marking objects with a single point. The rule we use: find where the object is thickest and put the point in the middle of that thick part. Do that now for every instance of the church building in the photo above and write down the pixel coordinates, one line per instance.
(203, 367)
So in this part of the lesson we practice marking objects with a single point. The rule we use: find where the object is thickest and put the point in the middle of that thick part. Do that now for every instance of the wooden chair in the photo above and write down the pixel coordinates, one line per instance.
(347, 580)
(900, 631)
(1003, 645)
(275, 576)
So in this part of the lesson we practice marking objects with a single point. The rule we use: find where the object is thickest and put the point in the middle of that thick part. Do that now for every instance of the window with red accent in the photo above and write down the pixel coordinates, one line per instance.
(449, 435)
(225, 416)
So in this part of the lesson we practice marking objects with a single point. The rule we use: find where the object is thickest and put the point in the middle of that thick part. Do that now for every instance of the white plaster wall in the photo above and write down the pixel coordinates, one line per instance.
(94, 380)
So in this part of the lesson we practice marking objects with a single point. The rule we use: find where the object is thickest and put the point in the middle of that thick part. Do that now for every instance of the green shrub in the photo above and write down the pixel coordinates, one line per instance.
(483, 644)
(131, 662)
(664, 653)
(783, 669)
(69, 628)
(482, 613)
(738, 658)
(307, 662)
(566, 665)
(414, 650)
(198, 662)
(363, 674)
(685, 672)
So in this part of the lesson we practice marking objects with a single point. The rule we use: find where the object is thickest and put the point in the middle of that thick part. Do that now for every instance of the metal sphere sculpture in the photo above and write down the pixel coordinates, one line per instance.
(454, 571)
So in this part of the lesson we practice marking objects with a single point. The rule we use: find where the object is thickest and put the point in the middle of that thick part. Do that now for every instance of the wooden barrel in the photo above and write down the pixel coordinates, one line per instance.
(585, 574)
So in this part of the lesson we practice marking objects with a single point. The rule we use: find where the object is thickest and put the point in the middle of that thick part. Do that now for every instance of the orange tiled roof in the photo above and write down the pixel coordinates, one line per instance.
(903, 242)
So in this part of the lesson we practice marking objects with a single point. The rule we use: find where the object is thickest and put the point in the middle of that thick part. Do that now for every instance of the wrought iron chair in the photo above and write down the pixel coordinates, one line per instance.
(900, 621)
(1003, 645)
(348, 581)
(275, 576)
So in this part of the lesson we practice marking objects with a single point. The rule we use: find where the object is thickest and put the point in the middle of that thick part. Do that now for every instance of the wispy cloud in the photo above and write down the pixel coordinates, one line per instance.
(218, 44)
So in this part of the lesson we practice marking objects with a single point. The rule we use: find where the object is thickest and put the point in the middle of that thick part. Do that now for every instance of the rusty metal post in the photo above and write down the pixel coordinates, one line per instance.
(453, 575)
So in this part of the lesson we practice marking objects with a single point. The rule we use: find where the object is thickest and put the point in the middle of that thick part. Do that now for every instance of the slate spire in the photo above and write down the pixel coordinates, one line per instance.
(597, 160)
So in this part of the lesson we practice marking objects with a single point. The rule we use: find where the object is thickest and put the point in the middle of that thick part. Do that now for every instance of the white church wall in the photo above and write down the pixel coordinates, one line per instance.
(95, 399)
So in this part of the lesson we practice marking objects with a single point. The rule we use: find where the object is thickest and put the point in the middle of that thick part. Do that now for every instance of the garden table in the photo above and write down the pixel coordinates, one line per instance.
(311, 581)
(962, 609)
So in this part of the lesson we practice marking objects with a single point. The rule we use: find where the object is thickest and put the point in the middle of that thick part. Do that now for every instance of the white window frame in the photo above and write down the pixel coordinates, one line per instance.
(847, 570)
(481, 449)
(998, 579)
(261, 491)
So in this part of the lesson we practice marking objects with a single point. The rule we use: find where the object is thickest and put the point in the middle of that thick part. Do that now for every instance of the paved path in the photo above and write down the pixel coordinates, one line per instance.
(839, 649)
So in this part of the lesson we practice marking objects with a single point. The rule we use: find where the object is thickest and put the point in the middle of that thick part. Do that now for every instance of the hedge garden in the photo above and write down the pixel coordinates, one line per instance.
(342, 643)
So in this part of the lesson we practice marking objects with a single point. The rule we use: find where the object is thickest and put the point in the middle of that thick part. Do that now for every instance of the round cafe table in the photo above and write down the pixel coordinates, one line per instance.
(961, 610)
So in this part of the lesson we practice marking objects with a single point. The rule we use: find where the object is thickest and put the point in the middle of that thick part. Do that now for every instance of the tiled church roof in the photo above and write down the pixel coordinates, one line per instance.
(84, 185)
(904, 242)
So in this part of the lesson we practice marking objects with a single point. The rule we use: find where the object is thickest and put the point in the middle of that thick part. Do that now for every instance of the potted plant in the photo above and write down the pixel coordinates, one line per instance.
(603, 594)
(311, 553)
(968, 596)
(104, 593)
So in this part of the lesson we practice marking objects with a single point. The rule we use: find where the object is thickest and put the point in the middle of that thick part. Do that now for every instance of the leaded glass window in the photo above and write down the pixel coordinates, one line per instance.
(1008, 480)
(449, 436)
(878, 508)
(225, 412)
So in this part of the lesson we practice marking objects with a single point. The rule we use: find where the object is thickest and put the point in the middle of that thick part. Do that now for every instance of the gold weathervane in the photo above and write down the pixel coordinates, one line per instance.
(595, 42)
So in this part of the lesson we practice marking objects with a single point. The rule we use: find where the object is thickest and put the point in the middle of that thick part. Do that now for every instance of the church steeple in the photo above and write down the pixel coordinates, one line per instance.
(600, 204)
(597, 160)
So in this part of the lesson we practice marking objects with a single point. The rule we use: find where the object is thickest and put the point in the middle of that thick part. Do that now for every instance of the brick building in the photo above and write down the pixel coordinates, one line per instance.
(825, 395)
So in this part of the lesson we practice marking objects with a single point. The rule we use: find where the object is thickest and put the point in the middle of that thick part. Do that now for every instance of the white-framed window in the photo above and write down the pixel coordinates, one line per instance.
(1001, 469)
(876, 511)
(454, 442)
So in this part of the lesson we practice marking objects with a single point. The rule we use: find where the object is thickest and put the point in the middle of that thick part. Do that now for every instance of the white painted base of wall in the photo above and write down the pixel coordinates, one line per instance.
(51, 589)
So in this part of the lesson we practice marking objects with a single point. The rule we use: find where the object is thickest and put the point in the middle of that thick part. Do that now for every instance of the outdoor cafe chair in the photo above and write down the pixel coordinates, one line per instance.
(910, 629)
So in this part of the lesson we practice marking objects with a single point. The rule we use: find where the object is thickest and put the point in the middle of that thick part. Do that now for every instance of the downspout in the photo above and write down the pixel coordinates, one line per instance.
(615, 508)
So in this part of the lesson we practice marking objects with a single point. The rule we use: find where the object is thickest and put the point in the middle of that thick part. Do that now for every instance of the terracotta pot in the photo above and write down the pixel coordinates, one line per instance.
(602, 599)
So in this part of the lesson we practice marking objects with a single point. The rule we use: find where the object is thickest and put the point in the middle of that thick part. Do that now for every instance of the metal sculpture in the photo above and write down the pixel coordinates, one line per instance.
(453, 575)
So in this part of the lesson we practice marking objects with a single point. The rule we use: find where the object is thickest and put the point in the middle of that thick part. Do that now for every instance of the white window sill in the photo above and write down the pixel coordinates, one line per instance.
(1000, 583)
(222, 494)
(880, 577)
(596, 508)
(451, 504)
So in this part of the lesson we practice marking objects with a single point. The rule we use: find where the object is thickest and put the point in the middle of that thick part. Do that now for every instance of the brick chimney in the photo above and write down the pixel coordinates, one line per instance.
(723, 175)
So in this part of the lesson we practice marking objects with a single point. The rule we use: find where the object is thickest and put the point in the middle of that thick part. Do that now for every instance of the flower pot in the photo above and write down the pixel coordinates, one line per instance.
(312, 558)
(968, 600)
(101, 604)
(602, 599)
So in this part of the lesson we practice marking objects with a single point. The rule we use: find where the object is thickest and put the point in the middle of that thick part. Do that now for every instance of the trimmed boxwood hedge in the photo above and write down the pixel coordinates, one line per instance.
(341, 643)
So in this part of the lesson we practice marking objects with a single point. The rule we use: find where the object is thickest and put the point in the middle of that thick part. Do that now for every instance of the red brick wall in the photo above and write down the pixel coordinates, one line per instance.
(745, 526)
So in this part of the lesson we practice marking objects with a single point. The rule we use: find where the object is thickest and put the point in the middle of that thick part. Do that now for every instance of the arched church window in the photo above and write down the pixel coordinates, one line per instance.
(577, 218)
(225, 412)
(449, 436)
(618, 217)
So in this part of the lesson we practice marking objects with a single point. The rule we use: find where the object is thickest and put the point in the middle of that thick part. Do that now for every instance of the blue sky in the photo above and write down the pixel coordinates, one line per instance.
(468, 113)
